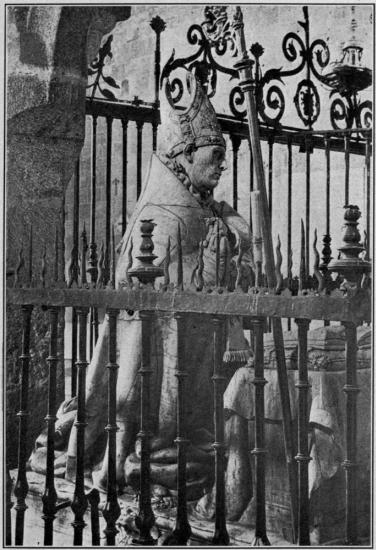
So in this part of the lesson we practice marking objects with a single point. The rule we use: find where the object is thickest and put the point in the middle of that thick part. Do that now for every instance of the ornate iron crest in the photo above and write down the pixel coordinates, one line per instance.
(214, 38)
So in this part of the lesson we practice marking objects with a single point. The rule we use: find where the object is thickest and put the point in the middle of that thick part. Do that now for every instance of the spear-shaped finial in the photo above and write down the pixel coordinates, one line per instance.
(101, 268)
(317, 273)
(278, 265)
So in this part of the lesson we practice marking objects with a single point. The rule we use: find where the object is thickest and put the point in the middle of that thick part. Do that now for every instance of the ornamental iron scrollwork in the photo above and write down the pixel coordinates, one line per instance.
(214, 37)
(311, 56)
(350, 112)
(95, 69)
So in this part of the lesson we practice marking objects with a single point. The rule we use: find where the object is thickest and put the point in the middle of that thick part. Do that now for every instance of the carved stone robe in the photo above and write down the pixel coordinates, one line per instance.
(169, 203)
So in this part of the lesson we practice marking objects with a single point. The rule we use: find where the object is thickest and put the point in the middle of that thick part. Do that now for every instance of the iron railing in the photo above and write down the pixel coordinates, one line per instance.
(350, 306)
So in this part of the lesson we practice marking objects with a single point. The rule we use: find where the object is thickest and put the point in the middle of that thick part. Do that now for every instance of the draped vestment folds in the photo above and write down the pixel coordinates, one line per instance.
(169, 203)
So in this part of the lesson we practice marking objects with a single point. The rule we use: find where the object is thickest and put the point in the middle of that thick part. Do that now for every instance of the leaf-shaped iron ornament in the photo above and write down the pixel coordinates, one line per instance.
(95, 69)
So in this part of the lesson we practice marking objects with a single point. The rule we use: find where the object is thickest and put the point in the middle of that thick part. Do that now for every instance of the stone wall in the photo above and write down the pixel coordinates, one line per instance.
(47, 49)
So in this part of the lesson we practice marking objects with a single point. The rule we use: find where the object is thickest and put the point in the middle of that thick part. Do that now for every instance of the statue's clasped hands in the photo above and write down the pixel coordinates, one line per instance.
(214, 232)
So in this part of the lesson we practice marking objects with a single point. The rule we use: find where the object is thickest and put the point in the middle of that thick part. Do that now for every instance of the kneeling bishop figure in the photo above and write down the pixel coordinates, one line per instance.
(178, 191)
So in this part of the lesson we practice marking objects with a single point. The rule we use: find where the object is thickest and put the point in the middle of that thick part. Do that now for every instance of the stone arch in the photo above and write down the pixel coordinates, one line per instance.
(48, 52)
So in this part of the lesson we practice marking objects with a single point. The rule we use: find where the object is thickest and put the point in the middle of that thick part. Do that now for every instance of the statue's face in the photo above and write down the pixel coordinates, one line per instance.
(206, 167)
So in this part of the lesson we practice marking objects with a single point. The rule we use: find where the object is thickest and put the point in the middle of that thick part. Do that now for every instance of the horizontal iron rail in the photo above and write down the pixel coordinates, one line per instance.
(147, 113)
(320, 307)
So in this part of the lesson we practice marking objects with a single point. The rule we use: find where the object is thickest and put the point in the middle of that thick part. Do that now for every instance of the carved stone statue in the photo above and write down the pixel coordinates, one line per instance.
(178, 192)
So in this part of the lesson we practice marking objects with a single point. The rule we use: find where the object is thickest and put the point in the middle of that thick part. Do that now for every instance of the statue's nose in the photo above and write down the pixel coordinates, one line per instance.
(223, 165)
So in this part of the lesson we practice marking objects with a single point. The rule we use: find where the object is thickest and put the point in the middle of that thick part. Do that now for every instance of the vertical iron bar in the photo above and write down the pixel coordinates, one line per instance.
(145, 518)
(93, 258)
(347, 168)
(158, 26)
(74, 353)
(251, 168)
(92, 245)
(327, 251)
(109, 121)
(155, 135)
(91, 332)
(303, 457)
(75, 249)
(180, 283)
(22, 487)
(270, 176)
(221, 537)
(140, 126)
(182, 530)
(351, 390)
(289, 218)
(302, 268)
(111, 511)
(368, 195)
(308, 205)
(76, 215)
(124, 123)
(251, 186)
(327, 157)
(93, 499)
(9, 504)
(49, 497)
(79, 503)
(235, 140)
(261, 538)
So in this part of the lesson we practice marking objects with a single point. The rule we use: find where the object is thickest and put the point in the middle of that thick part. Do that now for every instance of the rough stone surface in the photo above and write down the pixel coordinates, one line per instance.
(46, 85)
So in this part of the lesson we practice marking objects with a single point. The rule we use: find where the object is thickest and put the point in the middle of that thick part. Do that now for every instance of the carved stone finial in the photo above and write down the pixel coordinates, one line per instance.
(146, 271)
(349, 265)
